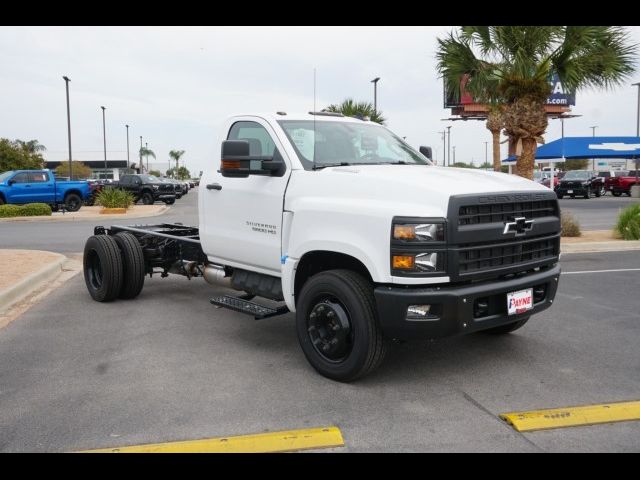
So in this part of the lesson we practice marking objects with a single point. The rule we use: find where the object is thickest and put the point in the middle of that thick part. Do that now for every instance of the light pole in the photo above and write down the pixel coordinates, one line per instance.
(449, 150)
(127, 146)
(454, 155)
(146, 148)
(593, 160)
(375, 94)
(104, 138)
(444, 147)
(66, 81)
(637, 126)
(141, 165)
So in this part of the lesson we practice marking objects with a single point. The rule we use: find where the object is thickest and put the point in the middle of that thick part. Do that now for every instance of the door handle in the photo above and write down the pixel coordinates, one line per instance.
(27, 186)
(214, 186)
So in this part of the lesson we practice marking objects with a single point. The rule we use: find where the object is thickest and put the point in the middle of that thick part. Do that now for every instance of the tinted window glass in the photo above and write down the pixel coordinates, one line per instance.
(39, 177)
(21, 178)
(260, 142)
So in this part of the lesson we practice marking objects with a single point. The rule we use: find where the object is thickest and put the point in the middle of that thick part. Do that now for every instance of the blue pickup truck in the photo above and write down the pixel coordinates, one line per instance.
(40, 186)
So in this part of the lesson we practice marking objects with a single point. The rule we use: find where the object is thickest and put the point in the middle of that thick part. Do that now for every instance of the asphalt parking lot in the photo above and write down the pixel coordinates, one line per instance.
(596, 213)
(75, 374)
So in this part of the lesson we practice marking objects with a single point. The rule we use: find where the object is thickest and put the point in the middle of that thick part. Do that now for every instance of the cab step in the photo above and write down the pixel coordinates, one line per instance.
(250, 308)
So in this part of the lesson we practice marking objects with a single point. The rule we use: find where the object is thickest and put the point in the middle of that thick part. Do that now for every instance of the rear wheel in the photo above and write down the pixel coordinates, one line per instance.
(72, 202)
(337, 325)
(600, 192)
(615, 193)
(102, 268)
(133, 267)
(508, 328)
(2, 202)
(170, 201)
(147, 198)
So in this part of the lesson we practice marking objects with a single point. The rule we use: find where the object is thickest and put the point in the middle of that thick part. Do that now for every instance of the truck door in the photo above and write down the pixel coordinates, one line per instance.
(241, 220)
(20, 191)
(42, 187)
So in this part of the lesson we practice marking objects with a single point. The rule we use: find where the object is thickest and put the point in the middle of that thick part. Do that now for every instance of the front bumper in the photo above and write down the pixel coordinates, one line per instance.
(454, 306)
(577, 191)
(164, 196)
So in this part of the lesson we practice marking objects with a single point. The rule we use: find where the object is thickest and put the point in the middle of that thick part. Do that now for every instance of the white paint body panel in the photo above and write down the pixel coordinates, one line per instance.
(340, 209)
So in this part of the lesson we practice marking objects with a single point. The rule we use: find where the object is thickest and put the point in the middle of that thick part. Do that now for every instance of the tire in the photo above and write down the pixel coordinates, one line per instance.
(340, 301)
(587, 194)
(72, 202)
(602, 192)
(560, 197)
(133, 267)
(54, 207)
(508, 328)
(102, 268)
(147, 198)
(615, 194)
(170, 201)
(2, 202)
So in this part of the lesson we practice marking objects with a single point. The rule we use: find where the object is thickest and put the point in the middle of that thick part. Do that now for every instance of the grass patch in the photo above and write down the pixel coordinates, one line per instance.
(28, 210)
(628, 226)
(114, 198)
(570, 226)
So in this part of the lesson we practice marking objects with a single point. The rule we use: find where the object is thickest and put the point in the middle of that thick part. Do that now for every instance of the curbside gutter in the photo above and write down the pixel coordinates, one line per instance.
(70, 217)
(31, 283)
(593, 247)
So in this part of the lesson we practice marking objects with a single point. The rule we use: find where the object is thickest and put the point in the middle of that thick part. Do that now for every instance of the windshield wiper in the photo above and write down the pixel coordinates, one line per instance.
(325, 165)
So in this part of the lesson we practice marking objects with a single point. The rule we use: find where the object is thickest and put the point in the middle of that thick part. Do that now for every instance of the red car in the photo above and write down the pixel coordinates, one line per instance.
(622, 184)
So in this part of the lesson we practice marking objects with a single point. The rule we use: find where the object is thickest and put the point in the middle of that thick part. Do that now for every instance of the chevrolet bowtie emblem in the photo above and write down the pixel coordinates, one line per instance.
(519, 226)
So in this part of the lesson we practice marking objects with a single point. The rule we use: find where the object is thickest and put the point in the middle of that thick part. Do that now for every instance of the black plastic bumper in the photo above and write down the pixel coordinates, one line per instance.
(164, 196)
(456, 308)
(577, 191)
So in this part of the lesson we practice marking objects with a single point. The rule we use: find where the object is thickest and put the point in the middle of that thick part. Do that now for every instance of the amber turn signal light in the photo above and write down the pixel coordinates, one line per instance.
(403, 262)
(404, 232)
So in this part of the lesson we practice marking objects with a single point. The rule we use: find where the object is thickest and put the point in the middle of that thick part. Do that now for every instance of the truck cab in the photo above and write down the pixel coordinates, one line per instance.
(362, 237)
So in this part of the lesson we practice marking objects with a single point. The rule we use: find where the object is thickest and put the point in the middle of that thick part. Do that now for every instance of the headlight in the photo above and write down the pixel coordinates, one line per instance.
(419, 232)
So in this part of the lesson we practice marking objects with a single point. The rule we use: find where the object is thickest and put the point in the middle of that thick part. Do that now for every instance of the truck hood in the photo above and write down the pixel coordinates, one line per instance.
(404, 189)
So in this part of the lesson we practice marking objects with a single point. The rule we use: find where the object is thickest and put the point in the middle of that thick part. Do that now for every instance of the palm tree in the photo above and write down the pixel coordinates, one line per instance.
(511, 65)
(349, 108)
(32, 146)
(144, 151)
(176, 154)
(495, 124)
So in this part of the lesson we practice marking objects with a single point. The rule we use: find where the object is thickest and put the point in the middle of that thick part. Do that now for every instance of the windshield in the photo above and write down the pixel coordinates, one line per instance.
(149, 179)
(5, 175)
(577, 175)
(343, 143)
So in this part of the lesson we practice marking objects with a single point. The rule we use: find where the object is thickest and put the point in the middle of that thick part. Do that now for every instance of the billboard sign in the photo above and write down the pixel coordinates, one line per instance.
(558, 95)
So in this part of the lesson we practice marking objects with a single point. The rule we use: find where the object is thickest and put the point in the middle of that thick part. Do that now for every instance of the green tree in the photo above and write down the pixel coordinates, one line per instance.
(14, 155)
(463, 165)
(176, 154)
(80, 170)
(147, 152)
(488, 165)
(32, 146)
(349, 108)
(156, 173)
(511, 66)
(182, 173)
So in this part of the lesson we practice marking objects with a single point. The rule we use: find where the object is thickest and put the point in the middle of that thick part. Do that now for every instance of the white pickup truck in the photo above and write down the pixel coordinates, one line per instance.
(343, 223)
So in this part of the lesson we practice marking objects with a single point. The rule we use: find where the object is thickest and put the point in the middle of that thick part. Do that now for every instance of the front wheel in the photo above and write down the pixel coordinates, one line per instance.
(147, 198)
(587, 194)
(508, 328)
(72, 202)
(170, 201)
(337, 325)
(615, 193)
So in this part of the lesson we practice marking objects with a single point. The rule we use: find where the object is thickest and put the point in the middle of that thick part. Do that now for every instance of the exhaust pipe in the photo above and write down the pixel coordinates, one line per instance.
(215, 275)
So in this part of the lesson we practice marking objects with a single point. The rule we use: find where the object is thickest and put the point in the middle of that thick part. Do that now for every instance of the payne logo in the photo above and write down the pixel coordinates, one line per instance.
(520, 226)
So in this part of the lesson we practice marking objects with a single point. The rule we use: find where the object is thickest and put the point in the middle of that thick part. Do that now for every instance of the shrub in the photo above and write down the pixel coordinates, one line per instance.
(628, 225)
(570, 226)
(28, 210)
(114, 198)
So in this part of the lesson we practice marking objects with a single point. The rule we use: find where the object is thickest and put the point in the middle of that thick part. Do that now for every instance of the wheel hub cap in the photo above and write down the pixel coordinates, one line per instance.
(329, 330)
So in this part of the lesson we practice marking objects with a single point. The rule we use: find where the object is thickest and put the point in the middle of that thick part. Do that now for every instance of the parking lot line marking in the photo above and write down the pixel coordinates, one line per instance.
(603, 271)
(284, 441)
(573, 416)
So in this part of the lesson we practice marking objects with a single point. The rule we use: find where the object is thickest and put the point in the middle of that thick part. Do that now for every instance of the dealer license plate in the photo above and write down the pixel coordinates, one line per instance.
(569, 191)
(520, 301)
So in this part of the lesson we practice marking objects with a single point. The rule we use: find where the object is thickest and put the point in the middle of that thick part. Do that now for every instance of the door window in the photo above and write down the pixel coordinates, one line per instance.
(39, 177)
(260, 142)
(21, 178)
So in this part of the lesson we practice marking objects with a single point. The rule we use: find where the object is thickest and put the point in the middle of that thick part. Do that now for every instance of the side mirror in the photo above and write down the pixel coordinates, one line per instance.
(426, 151)
(237, 162)
(11, 182)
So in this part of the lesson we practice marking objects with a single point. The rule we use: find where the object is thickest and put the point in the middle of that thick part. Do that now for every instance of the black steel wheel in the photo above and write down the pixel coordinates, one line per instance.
(508, 328)
(147, 198)
(337, 325)
(133, 267)
(102, 264)
(72, 202)
(615, 193)
(170, 201)
(587, 194)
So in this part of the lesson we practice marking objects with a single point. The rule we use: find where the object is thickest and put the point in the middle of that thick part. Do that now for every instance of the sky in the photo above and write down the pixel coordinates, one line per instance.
(175, 86)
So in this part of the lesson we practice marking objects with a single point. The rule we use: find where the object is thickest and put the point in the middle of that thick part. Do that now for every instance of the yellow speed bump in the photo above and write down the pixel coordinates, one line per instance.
(285, 441)
(573, 416)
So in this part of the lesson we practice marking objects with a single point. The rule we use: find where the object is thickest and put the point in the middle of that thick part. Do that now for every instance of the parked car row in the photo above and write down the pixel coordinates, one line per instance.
(150, 189)
(587, 183)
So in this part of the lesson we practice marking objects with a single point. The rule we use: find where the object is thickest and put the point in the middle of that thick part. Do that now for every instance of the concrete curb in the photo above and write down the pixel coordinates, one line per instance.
(30, 283)
(69, 217)
(593, 247)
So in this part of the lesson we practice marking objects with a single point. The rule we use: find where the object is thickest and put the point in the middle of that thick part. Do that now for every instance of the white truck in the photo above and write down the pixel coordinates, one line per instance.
(343, 223)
